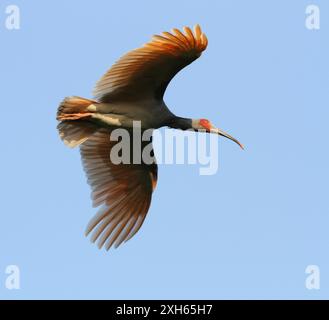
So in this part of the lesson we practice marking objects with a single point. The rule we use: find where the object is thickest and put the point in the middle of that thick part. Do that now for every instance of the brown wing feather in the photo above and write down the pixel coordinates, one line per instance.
(123, 190)
(146, 72)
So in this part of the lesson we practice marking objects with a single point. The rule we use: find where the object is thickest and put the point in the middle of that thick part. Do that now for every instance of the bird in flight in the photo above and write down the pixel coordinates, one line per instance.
(131, 90)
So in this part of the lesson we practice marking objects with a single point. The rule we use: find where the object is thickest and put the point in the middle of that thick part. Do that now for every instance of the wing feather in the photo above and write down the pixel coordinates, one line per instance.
(145, 72)
(124, 191)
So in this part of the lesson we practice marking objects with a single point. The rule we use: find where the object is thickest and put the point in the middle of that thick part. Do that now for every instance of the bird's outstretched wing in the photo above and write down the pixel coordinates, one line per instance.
(123, 190)
(146, 72)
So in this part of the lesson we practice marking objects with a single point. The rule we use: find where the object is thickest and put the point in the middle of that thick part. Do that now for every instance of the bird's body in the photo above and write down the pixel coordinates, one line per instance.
(151, 113)
(131, 91)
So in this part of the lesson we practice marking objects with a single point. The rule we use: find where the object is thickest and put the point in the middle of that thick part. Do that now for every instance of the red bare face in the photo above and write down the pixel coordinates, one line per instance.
(205, 124)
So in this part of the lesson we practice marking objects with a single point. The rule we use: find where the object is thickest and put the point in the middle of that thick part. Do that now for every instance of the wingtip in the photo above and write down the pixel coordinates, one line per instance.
(197, 31)
(204, 40)
(88, 229)
(187, 30)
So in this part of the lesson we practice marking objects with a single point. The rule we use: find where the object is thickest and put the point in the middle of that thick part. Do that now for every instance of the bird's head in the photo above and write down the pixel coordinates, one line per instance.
(204, 124)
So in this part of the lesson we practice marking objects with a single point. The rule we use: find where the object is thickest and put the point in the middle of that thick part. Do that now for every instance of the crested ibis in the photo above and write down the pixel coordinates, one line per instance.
(131, 90)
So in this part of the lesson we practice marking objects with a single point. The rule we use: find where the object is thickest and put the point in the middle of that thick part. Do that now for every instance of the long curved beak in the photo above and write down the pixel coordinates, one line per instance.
(226, 135)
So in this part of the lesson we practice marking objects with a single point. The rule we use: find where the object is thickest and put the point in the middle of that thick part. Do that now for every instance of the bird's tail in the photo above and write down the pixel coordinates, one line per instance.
(74, 127)
(74, 108)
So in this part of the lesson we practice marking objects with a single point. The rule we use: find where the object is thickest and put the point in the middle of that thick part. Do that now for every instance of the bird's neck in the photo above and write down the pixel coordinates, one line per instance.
(180, 123)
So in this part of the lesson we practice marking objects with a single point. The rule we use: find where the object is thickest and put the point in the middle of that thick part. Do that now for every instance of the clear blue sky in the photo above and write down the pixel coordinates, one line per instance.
(247, 232)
